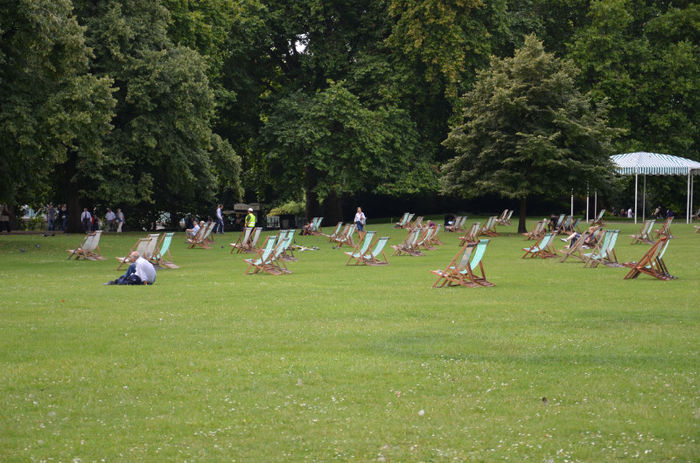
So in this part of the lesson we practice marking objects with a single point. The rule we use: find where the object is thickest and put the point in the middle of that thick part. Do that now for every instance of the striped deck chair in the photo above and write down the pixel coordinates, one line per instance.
(425, 241)
(288, 251)
(542, 248)
(347, 238)
(162, 255)
(403, 221)
(652, 262)
(435, 240)
(599, 220)
(557, 226)
(665, 229)
(604, 252)
(242, 241)
(472, 235)
(507, 221)
(253, 243)
(574, 226)
(537, 231)
(500, 220)
(576, 249)
(89, 249)
(644, 235)
(454, 225)
(466, 268)
(373, 257)
(361, 249)
(277, 263)
(316, 225)
(418, 223)
(409, 246)
(201, 238)
(489, 228)
(144, 246)
(567, 225)
(258, 263)
(335, 232)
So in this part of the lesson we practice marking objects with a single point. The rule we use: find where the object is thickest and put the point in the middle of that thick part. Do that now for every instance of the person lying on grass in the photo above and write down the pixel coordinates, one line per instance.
(140, 272)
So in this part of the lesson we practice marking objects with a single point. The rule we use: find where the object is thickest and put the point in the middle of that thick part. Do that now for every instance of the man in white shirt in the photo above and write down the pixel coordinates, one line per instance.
(110, 218)
(219, 219)
(86, 220)
(140, 272)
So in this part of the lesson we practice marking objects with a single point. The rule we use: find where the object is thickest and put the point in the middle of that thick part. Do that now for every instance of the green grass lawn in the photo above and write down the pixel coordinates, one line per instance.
(347, 363)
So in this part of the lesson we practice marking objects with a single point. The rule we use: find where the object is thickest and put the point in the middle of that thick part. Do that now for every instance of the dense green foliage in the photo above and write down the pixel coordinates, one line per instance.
(527, 131)
(173, 105)
(335, 363)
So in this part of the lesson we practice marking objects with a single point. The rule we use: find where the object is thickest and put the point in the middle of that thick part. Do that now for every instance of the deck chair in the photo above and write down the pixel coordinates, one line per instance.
(652, 262)
(409, 246)
(576, 249)
(465, 269)
(316, 225)
(644, 235)
(263, 257)
(89, 249)
(697, 229)
(665, 229)
(347, 238)
(567, 226)
(500, 220)
(472, 235)
(361, 249)
(542, 248)
(373, 257)
(454, 225)
(555, 229)
(335, 232)
(242, 241)
(162, 255)
(574, 226)
(507, 221)
(603, 253)
(425, 241)
(403, 221)
(144, 246)
(288, 250)
(599, 220)
(418, 223)
(489, 228)
(537, 231)
(253, 243)
(277, 265)
(435, 240)
(200, 240)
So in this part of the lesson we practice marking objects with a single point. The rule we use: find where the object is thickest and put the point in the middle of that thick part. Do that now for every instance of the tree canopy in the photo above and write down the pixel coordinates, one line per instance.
(527, 130)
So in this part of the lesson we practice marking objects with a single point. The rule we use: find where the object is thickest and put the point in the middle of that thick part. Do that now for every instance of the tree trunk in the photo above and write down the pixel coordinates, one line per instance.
(522, 226)
(74, 210)
(332, 209)
(310, 182)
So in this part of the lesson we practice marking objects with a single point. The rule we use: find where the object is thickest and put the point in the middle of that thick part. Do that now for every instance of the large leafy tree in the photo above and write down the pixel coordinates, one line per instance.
(527, 130)
(54, 115)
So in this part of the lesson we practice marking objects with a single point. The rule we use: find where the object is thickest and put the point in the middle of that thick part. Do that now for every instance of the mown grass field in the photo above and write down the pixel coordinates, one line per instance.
(347, 363)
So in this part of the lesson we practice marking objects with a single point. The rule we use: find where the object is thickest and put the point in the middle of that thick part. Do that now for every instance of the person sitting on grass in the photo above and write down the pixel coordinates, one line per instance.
(140, 272)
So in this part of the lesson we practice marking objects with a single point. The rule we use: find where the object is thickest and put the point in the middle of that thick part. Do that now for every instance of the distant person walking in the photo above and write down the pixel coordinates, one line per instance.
(360, 221)
(50, 217)
(111, 219)
(63, 215)
(4, 219)
(219, 219)
(250, 219)
(120, 220)
(86, 220)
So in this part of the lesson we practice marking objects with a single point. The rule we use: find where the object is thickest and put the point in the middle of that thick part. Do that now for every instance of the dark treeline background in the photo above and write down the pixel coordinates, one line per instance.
(174, 105)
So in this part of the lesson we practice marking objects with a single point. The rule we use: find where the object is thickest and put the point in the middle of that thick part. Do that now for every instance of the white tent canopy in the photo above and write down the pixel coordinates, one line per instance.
(656, 164)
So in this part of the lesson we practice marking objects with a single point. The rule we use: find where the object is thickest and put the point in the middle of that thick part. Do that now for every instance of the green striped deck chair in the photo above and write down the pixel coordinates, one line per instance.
(316, 225)
(489, 228)
(347, 238)
(258, 263)
(472, 235)
(201, 239)
(644, 235)
(474, 274)
(652, 262)
(404, 220)
(409, 246)
(288, 252)
(335, 232)
(599, 220)
(576, 249)
(557, 226)
(162, 256)
(602, 252)
(361, 249)
(435, 240)
(424, 242)
(542, 248)
(373, 257)
(450, 275)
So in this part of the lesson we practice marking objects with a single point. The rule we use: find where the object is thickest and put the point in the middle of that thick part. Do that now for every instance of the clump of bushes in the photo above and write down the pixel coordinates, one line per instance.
(289, 208)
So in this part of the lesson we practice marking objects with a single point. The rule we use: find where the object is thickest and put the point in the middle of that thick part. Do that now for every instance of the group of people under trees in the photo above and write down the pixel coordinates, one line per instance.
(113, 221)
(57, 218)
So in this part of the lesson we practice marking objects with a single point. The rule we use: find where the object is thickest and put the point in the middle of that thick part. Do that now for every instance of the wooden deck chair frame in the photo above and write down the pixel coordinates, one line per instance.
(242, 241)
(361, 249)
(665, 229)
(348, 237)
(542, 248)
(576, 249)
(450, 275)
(604, 252)
(418, 223)
(200, 239)
(79, 252)
(644, 235)
(599, 220)
(489, 228)
(537, 231)
(256, 263)
(338, 228)
(472, 235)
(474, 271)
(373, 257)
(89, 249)
(652, 262)
(435, 240)
(141, 246)
(162, 256)
(402, 221)
(408, 247)
(501, 219)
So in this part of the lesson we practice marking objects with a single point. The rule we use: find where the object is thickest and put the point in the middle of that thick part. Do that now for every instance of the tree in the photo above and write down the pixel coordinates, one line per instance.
(527, 130)
(54, 115)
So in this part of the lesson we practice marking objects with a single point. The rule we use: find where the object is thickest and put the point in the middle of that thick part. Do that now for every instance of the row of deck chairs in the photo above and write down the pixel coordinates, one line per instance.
(89, 249)
(155, 248)
(417, 241)
(457, 225)
(365, 254)
(203, 238)
(504, 218)
(408, 223)
(272, 257)
(343, 234)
